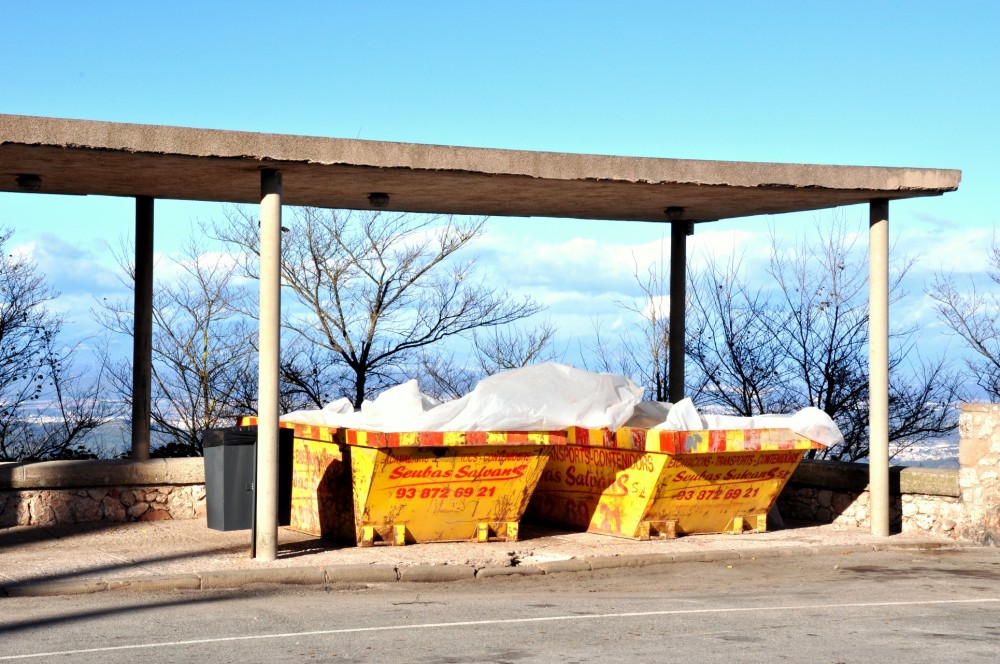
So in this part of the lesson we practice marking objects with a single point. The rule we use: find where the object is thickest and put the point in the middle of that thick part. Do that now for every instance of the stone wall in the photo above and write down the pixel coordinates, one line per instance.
(962, 504)
(922, 500)
(61, 492)
(979, 458)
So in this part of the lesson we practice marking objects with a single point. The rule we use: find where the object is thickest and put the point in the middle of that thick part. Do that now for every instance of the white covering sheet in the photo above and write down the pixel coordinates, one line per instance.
(541, 397)
(809, 422)
(549, 397)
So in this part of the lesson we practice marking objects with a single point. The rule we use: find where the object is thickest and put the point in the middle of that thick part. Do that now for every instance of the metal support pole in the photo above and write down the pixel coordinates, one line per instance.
(678, 299)
(142, 340)
(266, 530)
(878, 367)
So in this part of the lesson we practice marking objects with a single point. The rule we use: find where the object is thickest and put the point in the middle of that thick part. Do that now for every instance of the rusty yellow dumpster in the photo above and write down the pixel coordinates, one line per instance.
(658, 483)
(433, 487)
(321, 481)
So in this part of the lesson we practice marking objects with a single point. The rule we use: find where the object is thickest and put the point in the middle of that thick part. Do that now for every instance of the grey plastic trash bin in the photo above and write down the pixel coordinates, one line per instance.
(229, 477)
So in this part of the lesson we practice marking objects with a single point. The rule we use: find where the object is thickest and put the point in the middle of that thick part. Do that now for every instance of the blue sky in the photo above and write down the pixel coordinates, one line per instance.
(873, 83)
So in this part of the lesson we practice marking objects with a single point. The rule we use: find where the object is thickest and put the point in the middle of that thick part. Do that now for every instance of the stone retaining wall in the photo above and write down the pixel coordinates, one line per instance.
(921, 499)
(60, 492)
(979, 458)
(962, 504)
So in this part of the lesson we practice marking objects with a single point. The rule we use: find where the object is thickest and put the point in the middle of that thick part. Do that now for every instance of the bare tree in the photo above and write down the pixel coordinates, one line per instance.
(974, 316)
(614, 352)
(444, 375)
(47, 408)
(71, 406)
(640, 351)
(26, 326)
(204, 356)
(374, 289)
(823, 289)
(310, 375)
(505, 348)
(739, 366)
(653, 364)
(800, 338)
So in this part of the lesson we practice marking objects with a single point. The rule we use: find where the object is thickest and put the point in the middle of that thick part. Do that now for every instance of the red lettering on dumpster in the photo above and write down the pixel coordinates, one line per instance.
(430, 472)
(587, 478)
(734, 459)
(612, 459)
(683, 476)
(771, 474)
(474, 473)
(441, 492)
(721, 493)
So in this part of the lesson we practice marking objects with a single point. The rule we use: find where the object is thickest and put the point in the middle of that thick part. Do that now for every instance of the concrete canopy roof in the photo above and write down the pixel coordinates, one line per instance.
(115, 159)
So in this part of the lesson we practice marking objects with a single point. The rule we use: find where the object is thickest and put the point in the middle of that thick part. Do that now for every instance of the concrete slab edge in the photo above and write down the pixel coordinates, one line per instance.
(55, 588)
(508, 571)
(436, 573)
(568, 565)
(237, 578)
(159, 582)
(361, 573)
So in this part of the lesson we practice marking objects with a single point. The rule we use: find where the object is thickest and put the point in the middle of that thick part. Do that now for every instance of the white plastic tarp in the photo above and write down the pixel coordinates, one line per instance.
(812, 423)
(542, 397)
(549, 397)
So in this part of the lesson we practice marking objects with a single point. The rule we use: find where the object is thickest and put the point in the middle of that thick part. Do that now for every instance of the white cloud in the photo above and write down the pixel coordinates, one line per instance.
(947, 250)
(582, 272)
(583, 280)
(753, 246)
(85, 267)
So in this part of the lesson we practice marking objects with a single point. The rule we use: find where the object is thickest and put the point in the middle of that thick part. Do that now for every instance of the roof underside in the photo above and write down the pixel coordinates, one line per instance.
(113, 159)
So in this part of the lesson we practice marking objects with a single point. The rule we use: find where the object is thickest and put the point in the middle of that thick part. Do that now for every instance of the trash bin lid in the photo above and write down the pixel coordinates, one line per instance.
(229, 436)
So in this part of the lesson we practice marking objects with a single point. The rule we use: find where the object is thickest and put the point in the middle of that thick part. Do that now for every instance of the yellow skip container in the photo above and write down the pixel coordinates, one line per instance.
(452, 486)
(657, 483)
(372, 488)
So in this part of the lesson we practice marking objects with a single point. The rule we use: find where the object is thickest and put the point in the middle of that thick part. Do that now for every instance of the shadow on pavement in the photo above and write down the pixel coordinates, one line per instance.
(118, 566)
(22, 535)
(130, 608)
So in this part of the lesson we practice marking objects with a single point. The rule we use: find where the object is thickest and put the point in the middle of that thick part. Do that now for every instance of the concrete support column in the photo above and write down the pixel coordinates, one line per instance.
(878, 366)
(266, 527)
(678, 301)
(142, 340)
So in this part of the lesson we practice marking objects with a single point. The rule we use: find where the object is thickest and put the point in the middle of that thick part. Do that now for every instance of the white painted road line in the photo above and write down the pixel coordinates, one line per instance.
(510, 621)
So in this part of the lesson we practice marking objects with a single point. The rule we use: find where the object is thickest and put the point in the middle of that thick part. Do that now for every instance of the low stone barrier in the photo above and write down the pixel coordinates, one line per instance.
(962, 504)
(921, 499)
(60, 492)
